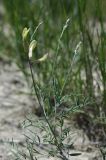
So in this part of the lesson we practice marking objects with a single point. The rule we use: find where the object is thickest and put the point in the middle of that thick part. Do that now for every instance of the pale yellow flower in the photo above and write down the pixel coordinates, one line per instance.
(25, 33)
(43, 58)
(32, 46)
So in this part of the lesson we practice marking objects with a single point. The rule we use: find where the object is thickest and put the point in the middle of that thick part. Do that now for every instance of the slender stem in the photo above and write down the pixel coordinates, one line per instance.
(70, 69)
(42, 107)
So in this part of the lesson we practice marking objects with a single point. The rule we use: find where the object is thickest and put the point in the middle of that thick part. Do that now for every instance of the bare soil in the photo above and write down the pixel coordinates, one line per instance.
(15, 105)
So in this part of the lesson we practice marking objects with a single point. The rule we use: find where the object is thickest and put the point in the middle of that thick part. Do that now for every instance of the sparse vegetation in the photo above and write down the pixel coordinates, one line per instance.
(62, 50)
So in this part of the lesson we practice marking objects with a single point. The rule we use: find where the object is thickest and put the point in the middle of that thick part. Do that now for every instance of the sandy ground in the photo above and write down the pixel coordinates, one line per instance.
(14, 106)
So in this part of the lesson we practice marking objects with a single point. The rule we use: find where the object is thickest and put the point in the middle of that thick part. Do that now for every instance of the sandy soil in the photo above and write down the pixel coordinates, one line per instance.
(15, 104)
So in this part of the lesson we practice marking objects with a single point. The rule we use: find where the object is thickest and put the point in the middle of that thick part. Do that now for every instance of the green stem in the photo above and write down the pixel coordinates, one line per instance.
(42, 107)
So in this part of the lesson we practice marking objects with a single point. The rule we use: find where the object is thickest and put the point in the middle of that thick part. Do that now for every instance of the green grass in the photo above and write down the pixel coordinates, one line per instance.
(53, 15)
